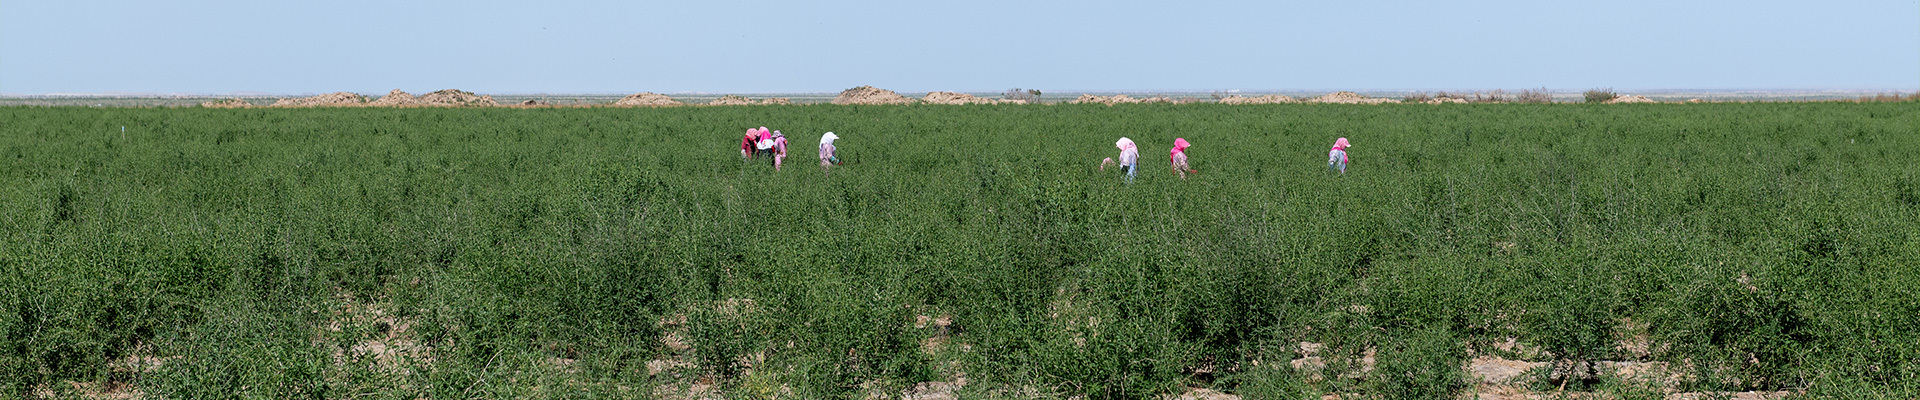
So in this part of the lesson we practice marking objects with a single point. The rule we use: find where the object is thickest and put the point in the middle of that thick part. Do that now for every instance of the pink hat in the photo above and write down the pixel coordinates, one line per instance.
(1341, 143)
(1180, 144)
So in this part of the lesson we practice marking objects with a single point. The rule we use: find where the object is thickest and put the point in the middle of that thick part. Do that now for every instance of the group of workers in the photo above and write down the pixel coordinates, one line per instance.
(762, 142)
(1129, 161)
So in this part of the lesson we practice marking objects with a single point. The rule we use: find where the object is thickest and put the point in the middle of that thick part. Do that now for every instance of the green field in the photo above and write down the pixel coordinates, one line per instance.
(608, 253)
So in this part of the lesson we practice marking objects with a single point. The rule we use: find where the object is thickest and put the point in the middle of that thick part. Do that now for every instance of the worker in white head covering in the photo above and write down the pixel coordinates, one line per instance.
(827, 156)
(779, 149)
(1129, 158)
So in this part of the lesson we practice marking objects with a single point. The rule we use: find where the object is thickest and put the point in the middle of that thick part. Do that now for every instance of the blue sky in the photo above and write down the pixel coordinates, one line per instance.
(742, 46)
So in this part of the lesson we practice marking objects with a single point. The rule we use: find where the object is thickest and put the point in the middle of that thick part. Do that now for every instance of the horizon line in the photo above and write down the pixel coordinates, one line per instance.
(1085, 91)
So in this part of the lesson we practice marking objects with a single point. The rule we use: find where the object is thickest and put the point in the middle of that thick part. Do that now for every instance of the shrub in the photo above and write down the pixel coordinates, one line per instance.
(1422, 365)
(1495, 96)
(1272, 381)
(1741, 334)
(1031, 96)
(1416, 97)
(1599, 95)
(1888, 98)
(1572, 320)
(1541, 96)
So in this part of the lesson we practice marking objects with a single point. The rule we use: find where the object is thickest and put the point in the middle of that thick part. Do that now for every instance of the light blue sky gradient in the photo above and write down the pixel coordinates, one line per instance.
(299, 46)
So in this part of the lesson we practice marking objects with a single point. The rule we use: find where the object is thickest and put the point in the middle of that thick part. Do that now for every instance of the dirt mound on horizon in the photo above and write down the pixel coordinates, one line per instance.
(870, 96)
(1445, 100)
(393, 98)
(228, 103)
(335, 99)
(1631, 98)
(738, 100)
(1118, 99)
(1345, 97)
(454, 98)
(1267, 99)
(647, 99)
(963, 98)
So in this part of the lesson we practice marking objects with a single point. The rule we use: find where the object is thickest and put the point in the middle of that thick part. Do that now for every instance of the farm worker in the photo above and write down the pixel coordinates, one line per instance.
(1129, 157)
(779, 149)
(1337, 159)
(827, 156)
(1179, 157)
(746, 143)
(765, 144)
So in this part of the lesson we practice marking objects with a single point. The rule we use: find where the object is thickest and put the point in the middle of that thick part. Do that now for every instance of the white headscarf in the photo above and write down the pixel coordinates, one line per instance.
(828, 138)
(1124, 143)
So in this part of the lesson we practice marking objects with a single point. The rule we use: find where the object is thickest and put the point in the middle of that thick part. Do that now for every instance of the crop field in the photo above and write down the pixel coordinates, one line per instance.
(969, 251)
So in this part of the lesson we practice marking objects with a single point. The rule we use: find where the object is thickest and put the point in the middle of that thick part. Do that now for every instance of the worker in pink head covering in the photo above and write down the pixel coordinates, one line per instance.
(747, 141)
(765, 143)
(1179, 158)
(1337, 159)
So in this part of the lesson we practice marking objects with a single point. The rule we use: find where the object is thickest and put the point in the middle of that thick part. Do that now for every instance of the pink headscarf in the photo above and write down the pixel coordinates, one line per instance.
(1341, 144)
(765, 134)
(1179, 145)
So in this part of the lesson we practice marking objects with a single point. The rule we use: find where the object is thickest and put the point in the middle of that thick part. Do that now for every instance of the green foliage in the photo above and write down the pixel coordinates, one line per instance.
(530, 252)
(1572, 320)
(1273, 383)
(1424, 364)
(1744, 337)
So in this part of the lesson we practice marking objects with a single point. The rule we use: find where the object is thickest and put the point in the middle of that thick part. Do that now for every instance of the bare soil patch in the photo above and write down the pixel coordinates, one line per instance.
(394, 98)
(368, 335)
(335, 99)
(1267, 99)
(648, 99)
(1499, 371)
(963, 98)
(1204, 394)
(870, 95)
(454, 98)
(1344, 97)
(737, 100)
(1631, 98)
(1118, 99)
(930, 391)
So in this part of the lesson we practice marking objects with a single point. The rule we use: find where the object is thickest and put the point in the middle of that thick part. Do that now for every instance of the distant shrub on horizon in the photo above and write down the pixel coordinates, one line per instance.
(1599, 95)
(1541, 96)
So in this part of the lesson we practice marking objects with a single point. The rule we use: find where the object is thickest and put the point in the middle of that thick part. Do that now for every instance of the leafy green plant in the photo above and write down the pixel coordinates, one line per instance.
(1421, 365)
(1573, 321)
